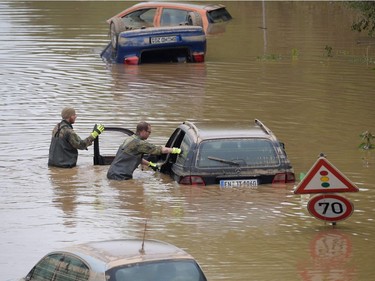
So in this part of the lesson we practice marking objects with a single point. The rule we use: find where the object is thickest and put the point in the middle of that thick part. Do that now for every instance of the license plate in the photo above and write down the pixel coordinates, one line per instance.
(163, 39)
(239, 183)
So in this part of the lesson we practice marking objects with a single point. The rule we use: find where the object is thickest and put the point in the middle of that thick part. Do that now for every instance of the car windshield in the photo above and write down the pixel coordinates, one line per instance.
(237, 152)
(166, 270)
(219, 15)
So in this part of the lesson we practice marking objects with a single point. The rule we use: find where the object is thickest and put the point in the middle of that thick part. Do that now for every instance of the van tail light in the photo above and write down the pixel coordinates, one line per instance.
(198, 57)
(284, 178)
(192, 180)
(131, 60)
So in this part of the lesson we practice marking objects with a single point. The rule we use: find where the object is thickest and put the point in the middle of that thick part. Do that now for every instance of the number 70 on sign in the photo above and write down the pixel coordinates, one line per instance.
(330, 207)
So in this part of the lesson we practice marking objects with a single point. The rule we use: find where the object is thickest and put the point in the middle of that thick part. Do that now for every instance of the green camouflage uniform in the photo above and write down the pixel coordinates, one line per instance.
(129, 156)
(63, 151)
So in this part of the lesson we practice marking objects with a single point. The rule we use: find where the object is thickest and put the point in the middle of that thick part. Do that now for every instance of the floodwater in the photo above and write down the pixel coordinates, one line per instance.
(296, 66)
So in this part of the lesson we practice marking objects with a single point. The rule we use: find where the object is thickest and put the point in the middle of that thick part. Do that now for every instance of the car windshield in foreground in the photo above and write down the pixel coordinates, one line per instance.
(219, 15)
(181, 270)
(237, 152)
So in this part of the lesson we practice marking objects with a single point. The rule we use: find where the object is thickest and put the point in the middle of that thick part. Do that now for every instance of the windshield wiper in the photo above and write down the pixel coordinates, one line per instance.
(223, 161)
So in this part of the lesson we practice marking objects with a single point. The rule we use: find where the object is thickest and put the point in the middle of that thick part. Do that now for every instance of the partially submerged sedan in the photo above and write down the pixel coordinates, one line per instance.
(118, 260)
(229, 155)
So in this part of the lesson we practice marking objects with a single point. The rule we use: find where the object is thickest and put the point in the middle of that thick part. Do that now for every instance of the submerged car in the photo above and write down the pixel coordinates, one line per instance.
(229, 155)
(162, 32)
(118, 260)
(161, 14)
(150, 45)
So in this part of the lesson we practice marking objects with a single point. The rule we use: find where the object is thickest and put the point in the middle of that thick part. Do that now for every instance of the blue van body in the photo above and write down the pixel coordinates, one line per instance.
(154, 44)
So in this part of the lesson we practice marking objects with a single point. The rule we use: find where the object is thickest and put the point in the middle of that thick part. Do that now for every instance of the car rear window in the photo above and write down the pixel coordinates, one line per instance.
(237, 152)
(219, 15)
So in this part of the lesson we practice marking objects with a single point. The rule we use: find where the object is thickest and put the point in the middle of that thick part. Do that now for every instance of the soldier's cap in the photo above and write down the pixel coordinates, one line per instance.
(67, 112)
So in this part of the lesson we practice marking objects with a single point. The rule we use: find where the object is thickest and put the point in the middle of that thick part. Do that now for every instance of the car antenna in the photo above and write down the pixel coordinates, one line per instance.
(142, 250)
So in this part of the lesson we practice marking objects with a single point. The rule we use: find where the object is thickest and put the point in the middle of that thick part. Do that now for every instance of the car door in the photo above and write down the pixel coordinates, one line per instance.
(168, 159)
(180, 165)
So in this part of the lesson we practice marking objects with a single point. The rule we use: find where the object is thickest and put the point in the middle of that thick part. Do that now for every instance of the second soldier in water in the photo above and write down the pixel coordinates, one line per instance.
(131, 151)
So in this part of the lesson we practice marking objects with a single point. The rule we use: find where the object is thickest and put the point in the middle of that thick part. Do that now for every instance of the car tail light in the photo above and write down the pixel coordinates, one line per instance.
(192, 180)
(198, 57)
(131, 60)
(284, 178)
(290, 177)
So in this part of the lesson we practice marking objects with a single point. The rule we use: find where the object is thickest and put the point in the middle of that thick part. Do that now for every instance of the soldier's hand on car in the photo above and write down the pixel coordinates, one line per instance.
(98, 129)
(153, 166)
(176, 150)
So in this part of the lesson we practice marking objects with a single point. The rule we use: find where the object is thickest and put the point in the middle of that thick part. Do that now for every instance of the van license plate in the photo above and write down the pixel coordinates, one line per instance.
(163, 39)
(239, 183)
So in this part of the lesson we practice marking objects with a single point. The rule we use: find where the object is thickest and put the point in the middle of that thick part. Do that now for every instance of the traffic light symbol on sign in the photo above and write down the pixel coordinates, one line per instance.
(323, 177)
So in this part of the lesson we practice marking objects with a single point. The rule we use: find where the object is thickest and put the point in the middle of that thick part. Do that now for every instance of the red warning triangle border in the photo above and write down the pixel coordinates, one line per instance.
(301, 188)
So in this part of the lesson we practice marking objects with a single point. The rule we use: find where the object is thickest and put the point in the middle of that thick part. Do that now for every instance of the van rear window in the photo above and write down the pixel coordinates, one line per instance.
(219, 15)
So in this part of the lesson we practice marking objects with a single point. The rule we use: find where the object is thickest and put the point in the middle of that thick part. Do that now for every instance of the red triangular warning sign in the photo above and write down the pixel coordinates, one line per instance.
(323, 177)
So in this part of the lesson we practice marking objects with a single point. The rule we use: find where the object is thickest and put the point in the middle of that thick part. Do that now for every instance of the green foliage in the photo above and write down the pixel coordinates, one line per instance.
(295, 54)
(270, 57)
(329, 50)
(277, 57)
(367, 19)
(366, 143)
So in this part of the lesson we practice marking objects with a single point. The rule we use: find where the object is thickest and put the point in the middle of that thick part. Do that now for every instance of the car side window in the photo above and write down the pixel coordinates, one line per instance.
(72, 269)
(140, 18)
(46, 268)
(185, 145)
(59, 267)
(173, 17)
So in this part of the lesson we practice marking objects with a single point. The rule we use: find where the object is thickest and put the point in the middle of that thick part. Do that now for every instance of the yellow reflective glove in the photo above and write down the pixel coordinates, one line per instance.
(98, 129)
(153, 166)
(176, 150)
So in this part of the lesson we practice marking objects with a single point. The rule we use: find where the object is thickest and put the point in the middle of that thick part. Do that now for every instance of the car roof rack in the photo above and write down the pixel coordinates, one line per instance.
(191, 125)
(263, 127)
(266, 129)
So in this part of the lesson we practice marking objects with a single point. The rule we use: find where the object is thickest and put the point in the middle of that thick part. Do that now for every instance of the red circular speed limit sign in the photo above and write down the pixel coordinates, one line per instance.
(330, 207)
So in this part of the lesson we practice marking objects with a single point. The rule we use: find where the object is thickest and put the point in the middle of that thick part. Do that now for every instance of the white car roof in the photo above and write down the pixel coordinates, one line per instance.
(125, 251)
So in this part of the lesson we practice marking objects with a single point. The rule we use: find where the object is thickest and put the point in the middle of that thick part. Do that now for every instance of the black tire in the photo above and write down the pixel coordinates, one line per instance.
(195, 19)
(116, 27)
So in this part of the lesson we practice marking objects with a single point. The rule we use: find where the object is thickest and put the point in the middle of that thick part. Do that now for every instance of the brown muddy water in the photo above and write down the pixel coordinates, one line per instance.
(296, 66)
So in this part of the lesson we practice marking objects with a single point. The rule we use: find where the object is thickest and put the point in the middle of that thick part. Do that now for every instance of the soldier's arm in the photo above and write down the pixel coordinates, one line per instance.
(78, 143)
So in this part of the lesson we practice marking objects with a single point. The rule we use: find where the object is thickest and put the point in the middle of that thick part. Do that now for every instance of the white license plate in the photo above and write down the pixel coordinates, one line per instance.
(238, 183)
(163, 39)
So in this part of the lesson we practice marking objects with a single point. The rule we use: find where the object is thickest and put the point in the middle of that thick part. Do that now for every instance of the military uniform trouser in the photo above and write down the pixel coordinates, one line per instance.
(119, 178)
